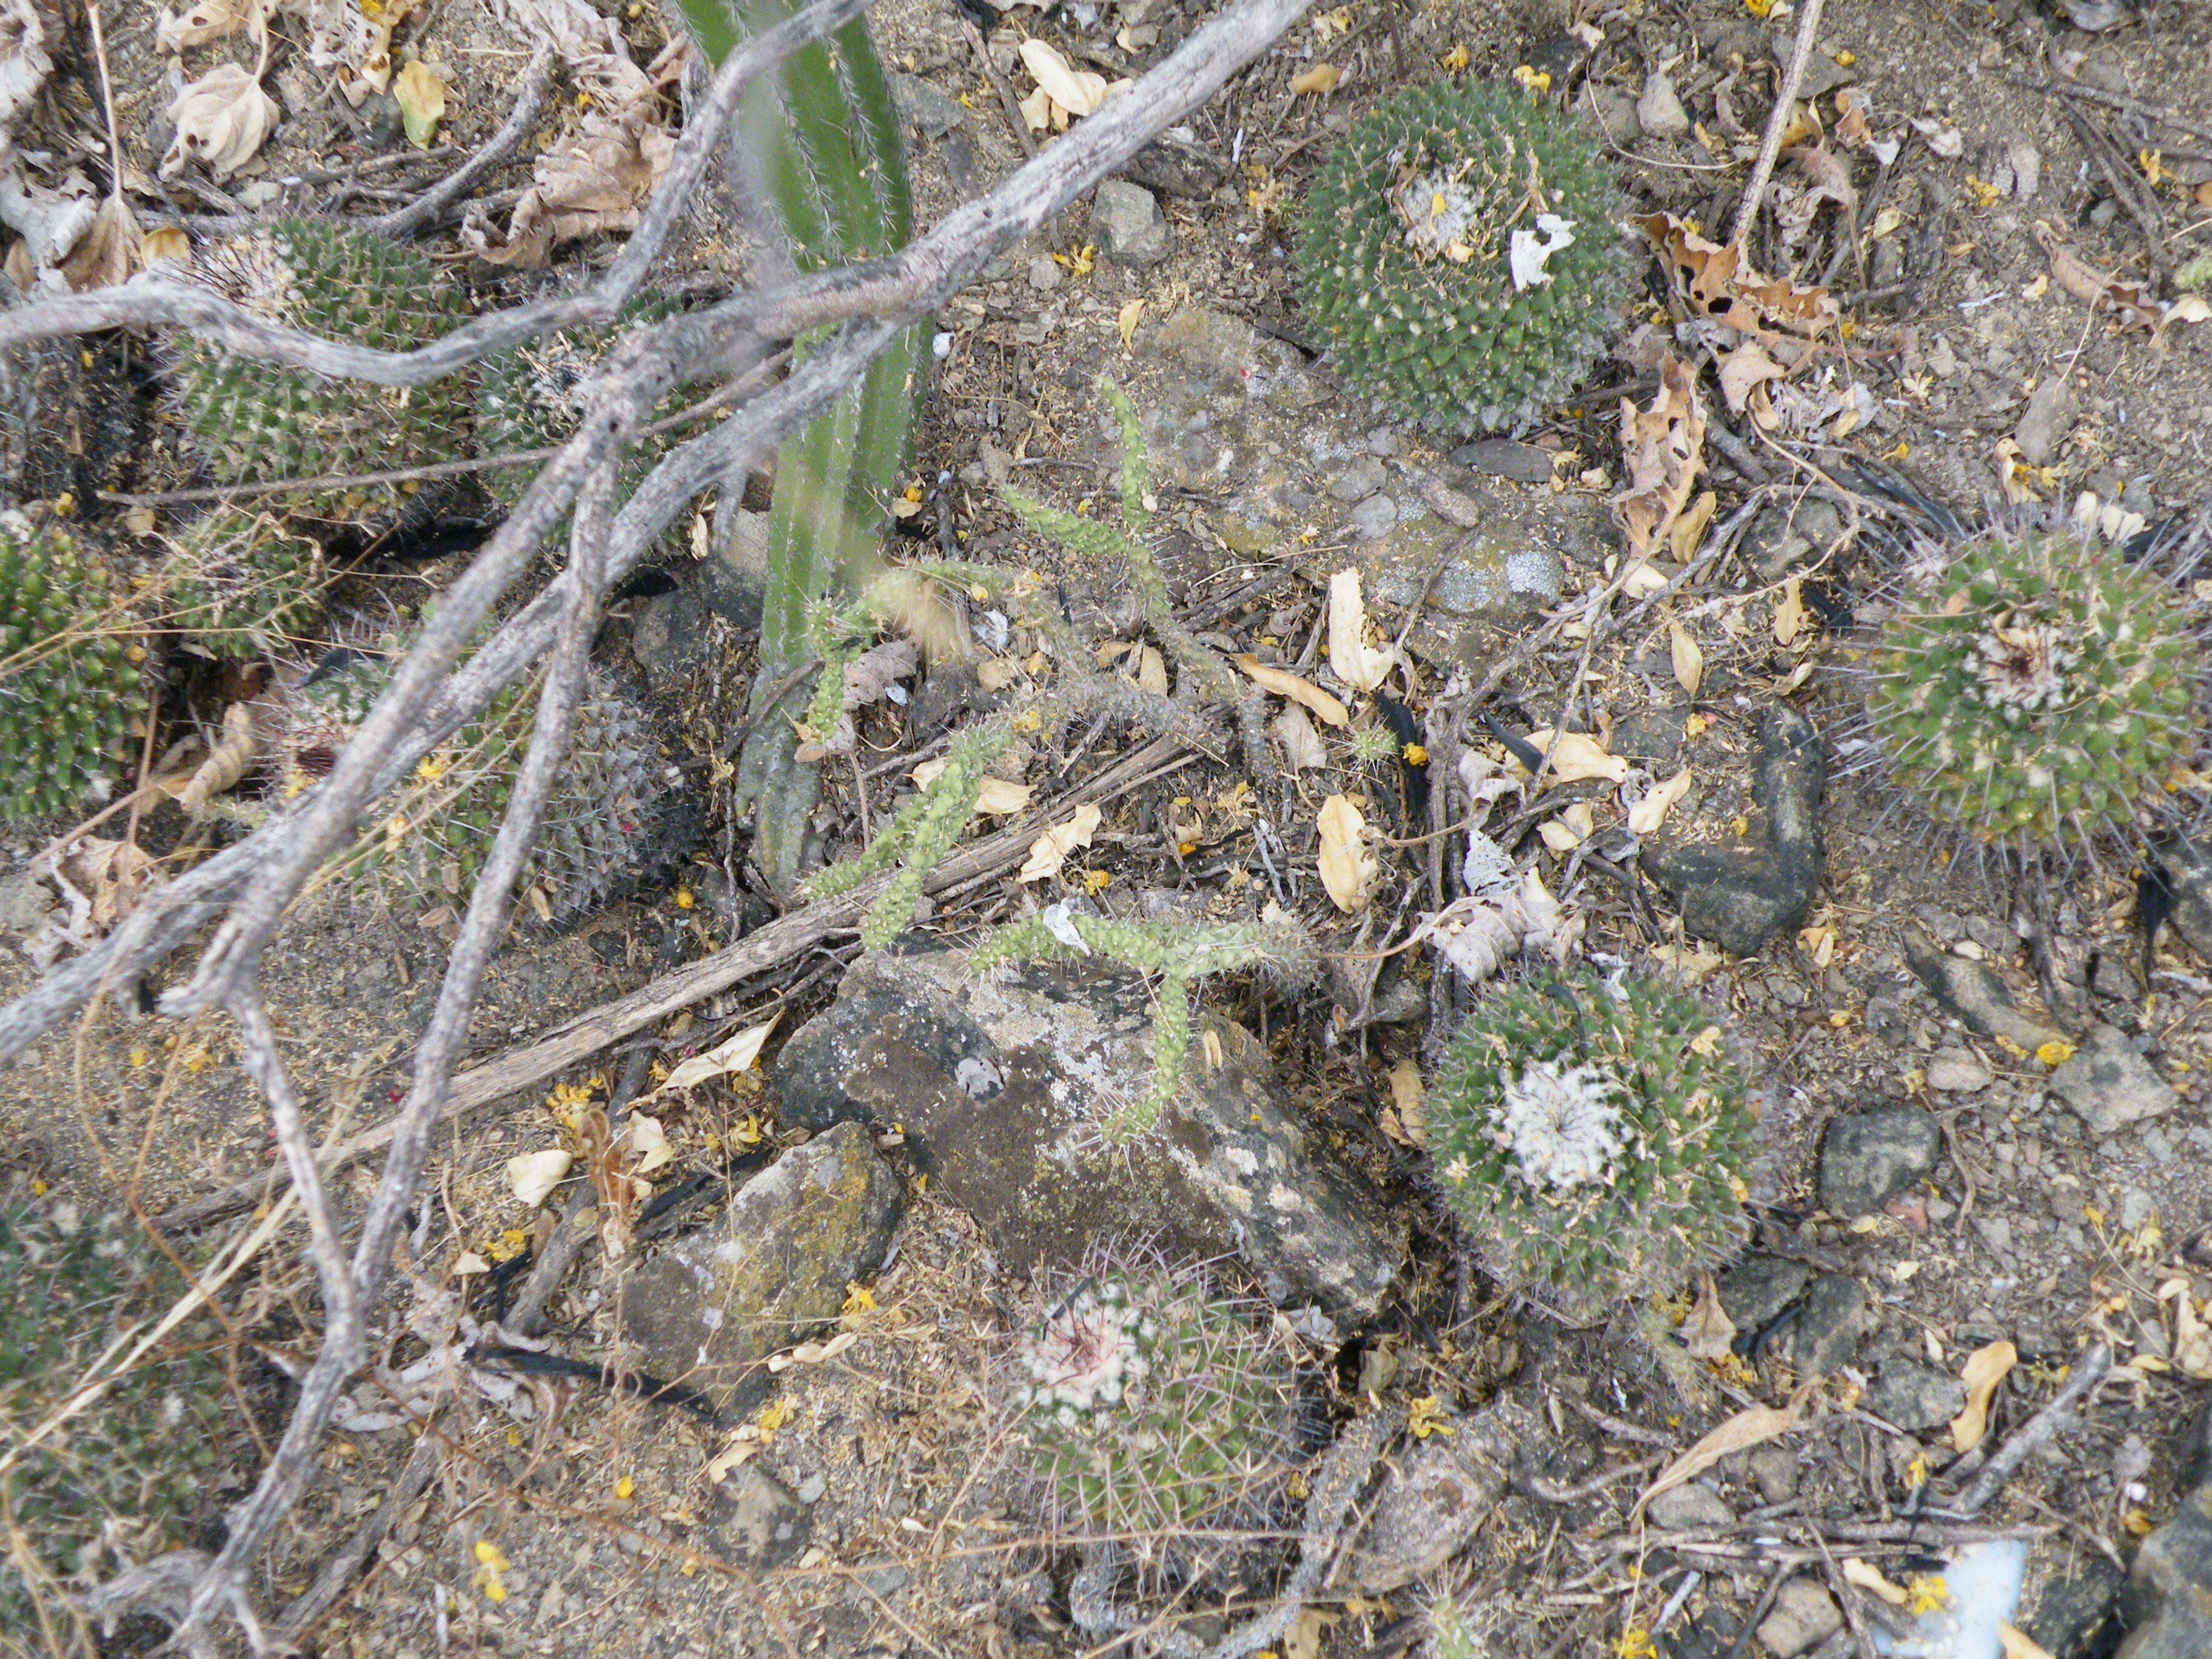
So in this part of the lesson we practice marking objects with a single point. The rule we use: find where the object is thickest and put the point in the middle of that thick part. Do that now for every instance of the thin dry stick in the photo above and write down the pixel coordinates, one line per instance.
(1778, 121)
(2081, 1383)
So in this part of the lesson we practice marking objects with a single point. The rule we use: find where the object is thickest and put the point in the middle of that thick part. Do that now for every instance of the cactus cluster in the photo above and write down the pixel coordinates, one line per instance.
(532, 397)
(126, 1477)
(70, 680)
(1459, 252)
(240, 584)
(1592, 1139)
(250, 421)
(1170, 954)
(2045, 692)
(1155, 1412)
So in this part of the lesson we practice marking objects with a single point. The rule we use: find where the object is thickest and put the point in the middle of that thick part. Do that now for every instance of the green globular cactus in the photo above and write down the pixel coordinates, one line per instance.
(1171, 955)
(125, 1479)
(71, 683)
(1460, 251)
(919, 836)
(1157, 1414)
(2043, 691)
(1593, 1146)
(240, 584)
(249, 420)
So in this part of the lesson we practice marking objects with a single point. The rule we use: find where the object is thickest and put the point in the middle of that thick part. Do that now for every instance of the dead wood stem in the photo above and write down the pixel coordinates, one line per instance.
(2090, 1371)
(1777, 122)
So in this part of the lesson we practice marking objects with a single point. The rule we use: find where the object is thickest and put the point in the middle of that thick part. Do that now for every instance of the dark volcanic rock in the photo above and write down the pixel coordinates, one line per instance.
(1741, 897)
(2167, 1603)
(998, 1084)
(1869, 1158)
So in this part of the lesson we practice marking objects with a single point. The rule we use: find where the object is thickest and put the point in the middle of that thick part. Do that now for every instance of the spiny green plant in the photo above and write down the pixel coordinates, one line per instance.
(125, 1478)
(1156, 1411)
(1592, 1139)
(240, 584)
(250, 421)
(2045, 690)
(1459, 250)
(919, 836)
(824, 139)
(71, 683)
(1171, 955)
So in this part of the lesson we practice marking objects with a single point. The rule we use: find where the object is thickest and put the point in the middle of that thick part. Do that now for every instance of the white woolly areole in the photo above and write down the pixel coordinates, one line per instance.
(1439, 212)
(1563, 1126)
(1085, 1354)
(2023, 665)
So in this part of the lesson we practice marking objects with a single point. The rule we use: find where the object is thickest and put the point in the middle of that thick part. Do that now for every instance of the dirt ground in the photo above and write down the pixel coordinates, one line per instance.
(606, 1534)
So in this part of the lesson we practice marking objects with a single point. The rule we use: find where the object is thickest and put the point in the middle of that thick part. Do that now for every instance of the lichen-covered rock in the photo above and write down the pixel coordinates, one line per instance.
(1000, 1084)
(709, 1309)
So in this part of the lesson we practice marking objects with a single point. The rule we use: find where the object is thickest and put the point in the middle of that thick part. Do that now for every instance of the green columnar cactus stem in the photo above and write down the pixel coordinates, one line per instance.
(126, 1477)
(250, 420)
(240, 584)
(828, 151)
(1156, 1413)
(1173, 953)
(70, 682)
(2045, 690)
(1593, 1147)
(1460, 251)
(919, 836)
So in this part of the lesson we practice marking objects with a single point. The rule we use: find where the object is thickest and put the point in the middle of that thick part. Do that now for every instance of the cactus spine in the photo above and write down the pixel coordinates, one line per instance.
(1593, 1146)
(70, 680)
(240, 584)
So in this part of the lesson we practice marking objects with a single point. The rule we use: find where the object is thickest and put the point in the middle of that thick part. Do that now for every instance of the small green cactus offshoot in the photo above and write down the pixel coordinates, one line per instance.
(240, 584)
(1171, 954)
(70, 686)
(1157, 1414)
(2045, 690)
(125, 1479)
(1460, 252)
(1593, 1146)
(252, 421)
(919, 836)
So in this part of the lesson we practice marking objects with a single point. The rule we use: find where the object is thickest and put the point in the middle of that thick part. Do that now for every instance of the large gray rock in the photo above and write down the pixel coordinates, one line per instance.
(999, 1084)
(709, 1309)
(1832, 1319)
(1974, 992)
(2167, 1602)
(1870, 1157)
(1128, 225)
(1915, 1397)
(2108, 1085)
(1741, 895)
(1438, 1492)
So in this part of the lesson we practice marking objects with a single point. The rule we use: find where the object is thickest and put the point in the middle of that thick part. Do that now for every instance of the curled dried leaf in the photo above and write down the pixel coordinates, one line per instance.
(1050, 850)
(1301, 691)
(221, 119)
(1354, 661)
(1663, 447)
(1985, 1368)
(229, 761)
(1348, 868)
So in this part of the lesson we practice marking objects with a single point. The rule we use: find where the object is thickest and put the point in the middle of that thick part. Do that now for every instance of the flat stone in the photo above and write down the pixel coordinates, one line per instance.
(1741, 895)
(1774, 1471)
(1916, 1397)
(925, 109)
(2049, 418)
(1128, 225)
(1869, 1157)
(1177, 164)
(1502, 458)
(711, 1308)
(1438, 1492)
(1803, 1615)
(668, 638)
(1659, 112)
(998, 1081)
(1830, 1324)
(756, 1520)
(1690, 1508)
(1358, 481)
(1211, 342)
(2108, 1085)
(1759, 1287)
(2167, 1602)
(25, 902)
(1045, 274)
(1957, 1071)
(1372, 520)
(1974, 992)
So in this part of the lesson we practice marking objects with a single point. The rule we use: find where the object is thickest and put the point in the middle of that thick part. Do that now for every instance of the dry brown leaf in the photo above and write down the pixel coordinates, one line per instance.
(1754, 1426)
(727, 1059)
(1302, 744)
(228, 761)
(103, 879)
(108, 251)
(1689, 659)
(1743, 370)
(997, 798)
(531, 1176)
(1151, 670)
(2193, 1338)
(1348, 869)
(202, 21)
(421, 96)
(1571, 829)
(646, 1142)
(1823, 180)
(1297, 691)
(1663, 449)
(1708, 1333)
(1791, 616)
(1050, 850)
(1647, 814)
(1322, 77)
(595, 184)
(1478, 933)
(220, 119)
(1688, 531)
(2018, 1644)
(1352, 659)
(1079, 92)
(1715, 283)
(1985, 1368)
(2135, 305)
(1576, 757)
(1409, 1099)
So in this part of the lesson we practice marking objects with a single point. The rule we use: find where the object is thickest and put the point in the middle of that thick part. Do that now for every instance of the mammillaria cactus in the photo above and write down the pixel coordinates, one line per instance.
(1157, 1413)
(1593, 1145)
(240, 584)
(531, 397)
(1460, 252)
(252, 421)
(70, 682)
(126, 1476)
(2045, 690)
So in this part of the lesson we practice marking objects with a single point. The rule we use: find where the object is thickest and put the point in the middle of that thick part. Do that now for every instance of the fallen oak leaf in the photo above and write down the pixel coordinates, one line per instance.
(1302, 744)
(1050, 850)
(421, 96)
(1302, 691)
(103, 879)
(1576, 756)
(1079, 92)
(1715, 283)
(203, 22)
(531, 1176)
(727, 1059)
(598, 183)
(1663, 448)
(1708, 1333)
(998, 796)
(220, 119)
(1649, 813)
(1689, 661)
(1348, 868)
